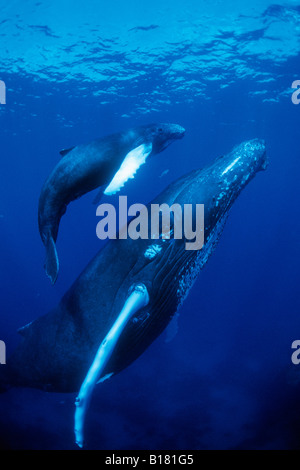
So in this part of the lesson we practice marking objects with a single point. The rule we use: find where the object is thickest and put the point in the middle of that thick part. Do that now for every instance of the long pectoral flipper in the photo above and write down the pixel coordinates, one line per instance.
(138, 299)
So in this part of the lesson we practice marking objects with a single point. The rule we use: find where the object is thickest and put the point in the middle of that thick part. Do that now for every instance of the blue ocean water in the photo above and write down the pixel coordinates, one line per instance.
(223, 70)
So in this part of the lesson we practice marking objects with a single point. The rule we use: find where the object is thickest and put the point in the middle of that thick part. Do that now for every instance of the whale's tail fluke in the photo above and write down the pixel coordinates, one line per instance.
(51, 262)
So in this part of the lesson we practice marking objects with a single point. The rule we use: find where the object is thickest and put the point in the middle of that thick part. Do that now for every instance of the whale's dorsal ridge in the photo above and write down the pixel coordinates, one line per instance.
(64, 152)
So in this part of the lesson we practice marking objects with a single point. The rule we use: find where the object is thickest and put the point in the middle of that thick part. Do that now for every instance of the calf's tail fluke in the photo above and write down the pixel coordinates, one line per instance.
(51, 262)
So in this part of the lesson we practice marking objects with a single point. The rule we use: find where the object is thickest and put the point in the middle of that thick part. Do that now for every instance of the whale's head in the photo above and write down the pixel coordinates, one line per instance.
(219, 184)
(229, 174)
(162, 135)
(241, 164)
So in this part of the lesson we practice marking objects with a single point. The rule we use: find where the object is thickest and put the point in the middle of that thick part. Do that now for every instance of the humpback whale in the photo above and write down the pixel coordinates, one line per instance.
(124, 298)
(109, 161)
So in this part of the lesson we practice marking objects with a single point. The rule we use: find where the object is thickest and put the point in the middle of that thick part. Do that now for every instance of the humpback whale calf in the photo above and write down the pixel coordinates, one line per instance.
(125, 298)
(109, 161)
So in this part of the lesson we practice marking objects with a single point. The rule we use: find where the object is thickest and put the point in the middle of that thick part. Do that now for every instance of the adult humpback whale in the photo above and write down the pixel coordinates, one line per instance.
(109, 161)
(129, 292)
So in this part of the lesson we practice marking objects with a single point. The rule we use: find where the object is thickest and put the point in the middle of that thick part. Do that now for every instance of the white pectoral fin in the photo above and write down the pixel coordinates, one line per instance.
(131, 163)
(137, 299)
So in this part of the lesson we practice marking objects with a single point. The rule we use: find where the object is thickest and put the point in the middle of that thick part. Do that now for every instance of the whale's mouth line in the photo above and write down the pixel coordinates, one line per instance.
(181, 134)
(176, 136)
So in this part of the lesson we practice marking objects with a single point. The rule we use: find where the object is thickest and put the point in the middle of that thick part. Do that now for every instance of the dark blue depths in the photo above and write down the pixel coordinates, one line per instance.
(225, 379)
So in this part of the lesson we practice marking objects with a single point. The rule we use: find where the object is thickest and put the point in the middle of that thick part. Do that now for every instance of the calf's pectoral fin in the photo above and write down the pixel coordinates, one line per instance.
(51, 262)
(137, 299)
(131, 163)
